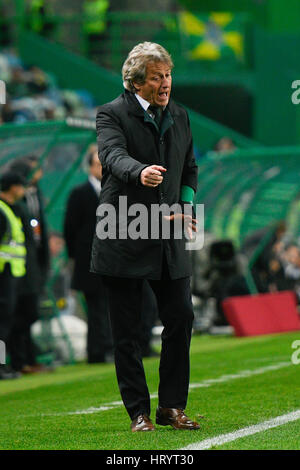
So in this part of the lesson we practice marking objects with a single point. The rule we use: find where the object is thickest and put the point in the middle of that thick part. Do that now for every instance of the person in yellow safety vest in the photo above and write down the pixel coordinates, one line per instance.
(37, 18)
(94, 23)
(12, 255)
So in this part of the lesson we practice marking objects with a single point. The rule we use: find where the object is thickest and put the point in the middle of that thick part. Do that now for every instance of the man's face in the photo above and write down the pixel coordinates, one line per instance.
(18, 191)
(37, 175)
(293, 255)
(56, 244)
(96, 167)
(157, 87)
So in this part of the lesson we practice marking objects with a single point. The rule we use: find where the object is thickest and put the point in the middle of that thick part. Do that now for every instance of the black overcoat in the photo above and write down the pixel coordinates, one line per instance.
(128, 141)
(79, 229)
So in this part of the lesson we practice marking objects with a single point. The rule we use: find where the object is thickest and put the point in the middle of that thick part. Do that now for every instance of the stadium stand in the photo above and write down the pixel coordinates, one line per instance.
(246, 194)
(33, 95)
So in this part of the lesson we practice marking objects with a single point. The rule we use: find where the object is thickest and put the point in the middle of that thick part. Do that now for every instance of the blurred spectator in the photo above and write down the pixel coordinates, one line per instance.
(284, 268)
(17, 84)
(269, 238)
(292, 256)
(224, 276)
(79, 226)
(224, 145)
(6, 112)
(56, 244)
(37, 80)
(58, 286)
(34, 199)
(38, 17)
(12, 256)
(32, 95)
(22, 348)
(292, 267)
(275, 276)
(94, 26)
(5, 37)
(277, 266)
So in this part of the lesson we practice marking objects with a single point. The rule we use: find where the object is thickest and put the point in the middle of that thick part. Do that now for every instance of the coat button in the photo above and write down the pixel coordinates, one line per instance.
(161, 141)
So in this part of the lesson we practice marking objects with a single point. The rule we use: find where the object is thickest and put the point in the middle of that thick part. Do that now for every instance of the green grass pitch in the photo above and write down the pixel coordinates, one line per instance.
(60, 409)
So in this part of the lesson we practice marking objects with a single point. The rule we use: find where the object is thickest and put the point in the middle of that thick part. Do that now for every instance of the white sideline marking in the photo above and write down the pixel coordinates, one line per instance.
(204, 384)
(240, 375)
(244, 432)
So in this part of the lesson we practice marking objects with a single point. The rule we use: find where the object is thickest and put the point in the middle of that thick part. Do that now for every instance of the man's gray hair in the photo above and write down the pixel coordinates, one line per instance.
(135, 66)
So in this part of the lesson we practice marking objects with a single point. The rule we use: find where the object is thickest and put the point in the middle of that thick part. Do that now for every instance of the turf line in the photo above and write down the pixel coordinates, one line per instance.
(240, 375)
(244, 432)
(205, 383)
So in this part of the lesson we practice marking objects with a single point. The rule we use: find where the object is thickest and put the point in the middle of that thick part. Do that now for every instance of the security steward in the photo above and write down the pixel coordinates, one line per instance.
(39, 18)
(12, 255)
(94, 25)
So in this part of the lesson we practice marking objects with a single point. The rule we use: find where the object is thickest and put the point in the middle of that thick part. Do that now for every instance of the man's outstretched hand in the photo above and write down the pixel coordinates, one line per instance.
(189, 223)
(151, 176)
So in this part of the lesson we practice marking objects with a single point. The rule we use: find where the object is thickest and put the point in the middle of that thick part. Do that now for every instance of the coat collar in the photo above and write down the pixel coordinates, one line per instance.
(136, 109)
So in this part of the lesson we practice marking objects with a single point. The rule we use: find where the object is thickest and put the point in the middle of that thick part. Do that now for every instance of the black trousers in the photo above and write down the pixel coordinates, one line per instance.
(149, 317)
(176, 314)
(8, 298)
(21, 346)
(99, 336)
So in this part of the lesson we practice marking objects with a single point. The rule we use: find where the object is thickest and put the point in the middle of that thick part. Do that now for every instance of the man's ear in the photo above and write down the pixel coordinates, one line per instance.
(136, 86)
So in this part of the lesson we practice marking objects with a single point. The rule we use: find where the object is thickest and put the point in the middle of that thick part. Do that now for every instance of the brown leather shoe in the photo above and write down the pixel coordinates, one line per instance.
(175, 418)
(142, 423)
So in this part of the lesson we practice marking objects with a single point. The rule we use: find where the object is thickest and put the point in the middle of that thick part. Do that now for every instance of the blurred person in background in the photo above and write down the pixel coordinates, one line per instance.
(33, 95)
(34, 200)
(79, 227)
(5, 26)
(38, 17)
(12, 257)
(292, 267)
(266, 269)
(37, 80)
(224, 145)
(7, 113)
(22, 348)
(146, 149)
(58, 288)
(94, 26)
(17, 86)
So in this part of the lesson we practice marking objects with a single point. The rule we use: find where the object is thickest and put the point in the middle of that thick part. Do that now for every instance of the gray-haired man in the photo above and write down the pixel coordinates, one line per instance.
(146, 149)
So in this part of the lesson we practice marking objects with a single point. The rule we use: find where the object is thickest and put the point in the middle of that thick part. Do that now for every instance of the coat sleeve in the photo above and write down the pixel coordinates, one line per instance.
(190, 168)
(112, 147)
